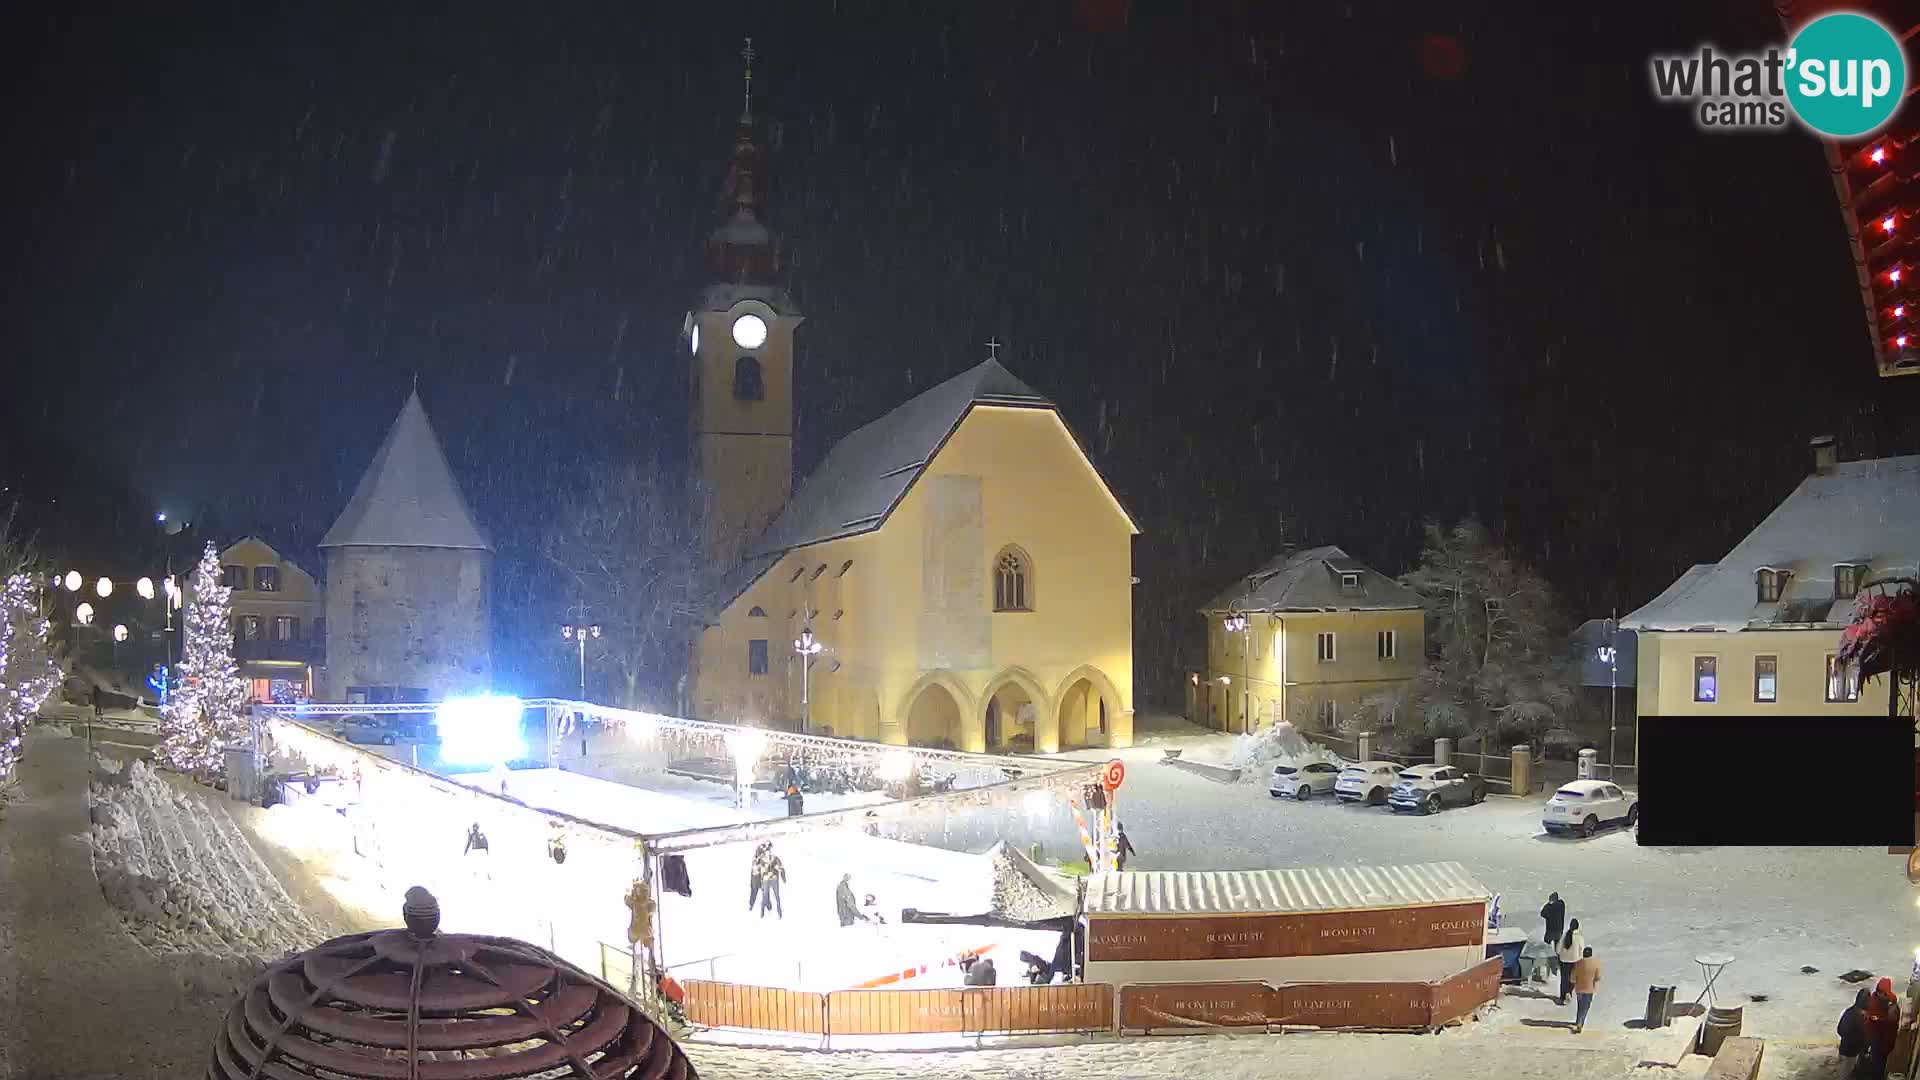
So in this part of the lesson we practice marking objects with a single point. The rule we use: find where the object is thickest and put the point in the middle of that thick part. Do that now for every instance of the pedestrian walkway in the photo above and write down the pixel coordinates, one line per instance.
(79, 998)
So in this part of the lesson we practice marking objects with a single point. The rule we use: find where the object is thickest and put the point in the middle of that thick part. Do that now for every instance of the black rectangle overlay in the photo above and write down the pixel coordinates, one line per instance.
(1776, 781)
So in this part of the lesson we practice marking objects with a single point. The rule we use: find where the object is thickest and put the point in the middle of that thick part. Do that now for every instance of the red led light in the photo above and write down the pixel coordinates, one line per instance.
(1886, 223)
(1879, 155)
(1893, 276)
(1899, 311)
(1900, 342)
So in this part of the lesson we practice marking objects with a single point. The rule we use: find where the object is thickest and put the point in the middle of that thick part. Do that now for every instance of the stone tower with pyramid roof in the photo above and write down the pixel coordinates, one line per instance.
(409, 578)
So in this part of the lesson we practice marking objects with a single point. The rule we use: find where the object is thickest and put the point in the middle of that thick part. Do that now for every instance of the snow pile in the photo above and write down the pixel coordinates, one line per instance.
(1256, 754)
(184, 878)
(1016, 895)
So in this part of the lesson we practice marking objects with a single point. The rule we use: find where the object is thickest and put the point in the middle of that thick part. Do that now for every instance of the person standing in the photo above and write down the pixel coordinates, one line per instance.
(843, 902)
(796, 802)
(1586, 979)
(1122, 847)
(1853, 1028)
(770, 887)
(1571, 945)
(1555, 913)
(1883, 1026)
(757, 875)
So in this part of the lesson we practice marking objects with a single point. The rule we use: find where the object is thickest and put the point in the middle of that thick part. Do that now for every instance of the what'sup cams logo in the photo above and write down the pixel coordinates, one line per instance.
(1842, 76)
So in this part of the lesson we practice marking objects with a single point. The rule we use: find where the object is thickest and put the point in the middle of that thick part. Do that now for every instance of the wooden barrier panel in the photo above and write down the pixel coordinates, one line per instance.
(894, 1012)
(1062, 1008)
(1352, 1005)
(1458, 996)
(1194, 1005)
(1312, 933)
(759, 1008)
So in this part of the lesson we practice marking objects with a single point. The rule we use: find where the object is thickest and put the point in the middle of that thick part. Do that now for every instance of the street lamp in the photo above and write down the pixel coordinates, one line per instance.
(72, 581)
(84, 614)
(1610, 656)
(104, 587)
(579, 635)
(144, 587)
(807, 648)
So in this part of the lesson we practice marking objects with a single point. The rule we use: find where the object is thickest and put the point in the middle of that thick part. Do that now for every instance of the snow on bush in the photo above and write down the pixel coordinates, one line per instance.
(183, 876)
(1256, 754)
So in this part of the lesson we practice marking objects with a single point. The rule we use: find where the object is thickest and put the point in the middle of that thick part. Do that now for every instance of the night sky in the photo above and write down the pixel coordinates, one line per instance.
(1344, 265)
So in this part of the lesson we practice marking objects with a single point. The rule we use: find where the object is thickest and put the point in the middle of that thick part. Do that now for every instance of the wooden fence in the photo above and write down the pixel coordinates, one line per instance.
(1090, 1007)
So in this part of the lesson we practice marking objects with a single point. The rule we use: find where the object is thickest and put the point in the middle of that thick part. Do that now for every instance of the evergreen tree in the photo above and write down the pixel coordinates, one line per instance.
(28, 675)
(205, 712)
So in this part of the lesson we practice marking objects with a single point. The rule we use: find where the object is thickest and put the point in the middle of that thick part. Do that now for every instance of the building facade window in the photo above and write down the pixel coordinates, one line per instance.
(1766, 678)
(286, 628)
(1325, 648)
(1706, 678)
(1327, 714)
(747, 385)
(1771, 583)
(844, 567)
(1843, 682)
(757, 612)
(757, 656)
(266, 579)
(1012, 581)
(248, 628)
(1846, 581)
(1387, 644)
(1349, 583)
(234, 577)
(817, 571)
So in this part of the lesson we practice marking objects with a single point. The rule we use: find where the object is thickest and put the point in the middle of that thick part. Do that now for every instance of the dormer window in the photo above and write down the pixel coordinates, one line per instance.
(1771, 583)
(757, 613)
(1349, 582)
(1846, 580)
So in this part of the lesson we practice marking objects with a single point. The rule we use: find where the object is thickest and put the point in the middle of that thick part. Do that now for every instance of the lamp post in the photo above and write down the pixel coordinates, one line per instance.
(579, 634)
(1610, 654)
(807, 648)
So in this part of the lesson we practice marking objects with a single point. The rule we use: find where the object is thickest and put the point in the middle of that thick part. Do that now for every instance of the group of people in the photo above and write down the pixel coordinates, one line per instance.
(764, 880)
(1867, 1030)
(867, 911)
(1579, 971)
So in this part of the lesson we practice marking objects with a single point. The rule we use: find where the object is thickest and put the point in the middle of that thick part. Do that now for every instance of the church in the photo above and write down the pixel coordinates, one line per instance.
(953, 574)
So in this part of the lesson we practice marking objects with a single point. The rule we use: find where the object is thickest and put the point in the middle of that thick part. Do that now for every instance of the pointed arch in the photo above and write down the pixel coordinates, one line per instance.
(1012, 579)
(996, 725)
(955, 688)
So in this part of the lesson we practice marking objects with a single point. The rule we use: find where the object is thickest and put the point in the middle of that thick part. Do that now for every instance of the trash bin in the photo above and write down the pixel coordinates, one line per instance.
(1659, 1006)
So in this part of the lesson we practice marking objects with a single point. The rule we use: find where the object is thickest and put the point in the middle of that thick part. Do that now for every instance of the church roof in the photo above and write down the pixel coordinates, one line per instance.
(867, 473)
(408, 497)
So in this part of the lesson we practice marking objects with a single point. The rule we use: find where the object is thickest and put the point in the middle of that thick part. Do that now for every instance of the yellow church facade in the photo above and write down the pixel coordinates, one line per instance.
(963, 573)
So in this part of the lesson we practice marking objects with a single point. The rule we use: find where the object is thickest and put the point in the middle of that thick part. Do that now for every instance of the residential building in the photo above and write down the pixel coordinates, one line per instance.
(277, 619)
(409, 578)
(1757, 631)
(962, 567)
(1314, 637)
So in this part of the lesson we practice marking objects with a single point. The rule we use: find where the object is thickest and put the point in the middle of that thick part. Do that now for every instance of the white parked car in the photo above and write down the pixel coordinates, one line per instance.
(1367, 782)
(1429, 788)
(1303, 782)
(1584, 805)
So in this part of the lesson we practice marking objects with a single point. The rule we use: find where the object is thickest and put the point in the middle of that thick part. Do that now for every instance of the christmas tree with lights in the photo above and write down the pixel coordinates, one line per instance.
(205, 712)
(28, 675)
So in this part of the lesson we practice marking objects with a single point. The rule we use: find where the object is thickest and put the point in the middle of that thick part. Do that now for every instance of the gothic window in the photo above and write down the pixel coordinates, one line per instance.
(1012, 581)
(747, 384)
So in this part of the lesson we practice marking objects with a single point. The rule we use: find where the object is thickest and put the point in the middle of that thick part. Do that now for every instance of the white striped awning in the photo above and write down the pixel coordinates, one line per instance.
(1252, 892)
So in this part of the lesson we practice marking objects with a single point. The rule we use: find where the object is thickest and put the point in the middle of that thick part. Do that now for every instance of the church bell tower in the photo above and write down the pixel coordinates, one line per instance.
(739, 337)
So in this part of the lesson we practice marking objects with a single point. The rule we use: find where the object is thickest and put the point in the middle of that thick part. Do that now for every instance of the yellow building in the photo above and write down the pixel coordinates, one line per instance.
(964, 571)
(277, 620)
(1314, 637)
(1757, 631)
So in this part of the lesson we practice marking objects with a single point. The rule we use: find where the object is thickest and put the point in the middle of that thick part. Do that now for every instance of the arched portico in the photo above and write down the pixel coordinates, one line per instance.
(922, 716)
(1014, 703)
(1088, 706)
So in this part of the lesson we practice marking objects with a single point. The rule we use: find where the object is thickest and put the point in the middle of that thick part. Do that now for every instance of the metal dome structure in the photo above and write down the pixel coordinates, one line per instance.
(415, 1004)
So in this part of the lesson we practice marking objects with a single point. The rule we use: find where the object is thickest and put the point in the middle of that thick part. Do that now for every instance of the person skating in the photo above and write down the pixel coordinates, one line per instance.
(1853, 1028)
(1586, 979)
(1122, 848)
(770, 885)
(843, 903)
(757, 874)
(1571, 944)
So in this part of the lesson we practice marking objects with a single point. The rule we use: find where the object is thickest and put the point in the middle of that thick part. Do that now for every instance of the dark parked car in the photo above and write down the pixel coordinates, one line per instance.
(365, 729)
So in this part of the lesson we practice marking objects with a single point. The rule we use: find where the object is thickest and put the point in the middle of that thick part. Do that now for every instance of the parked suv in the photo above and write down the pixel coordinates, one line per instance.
(1367, 782)
(1290, 782)
(1585, 805)
(1427, 788)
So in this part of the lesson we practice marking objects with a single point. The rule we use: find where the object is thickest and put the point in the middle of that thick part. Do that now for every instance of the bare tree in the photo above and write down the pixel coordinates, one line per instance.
(626, 551)
(1493, 638)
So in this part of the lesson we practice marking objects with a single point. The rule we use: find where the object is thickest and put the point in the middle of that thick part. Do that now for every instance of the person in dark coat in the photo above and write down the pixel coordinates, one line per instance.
(1122, 848)
(1853, 1027)
(757, 875)
(796, 802)
(770, 885)
(981, 973)
(476, 840)
(1039, 972)
(844, 904)
(1883, 1025)
(1555, 913)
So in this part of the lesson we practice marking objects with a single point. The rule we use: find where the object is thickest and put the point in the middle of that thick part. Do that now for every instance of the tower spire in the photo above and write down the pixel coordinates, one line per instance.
(746, 110)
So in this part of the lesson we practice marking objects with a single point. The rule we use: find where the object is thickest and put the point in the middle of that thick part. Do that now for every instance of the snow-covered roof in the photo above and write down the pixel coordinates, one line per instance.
(1865, 513)
(408, 497)
(866, 474)
(1256, 892)
(1309, 580)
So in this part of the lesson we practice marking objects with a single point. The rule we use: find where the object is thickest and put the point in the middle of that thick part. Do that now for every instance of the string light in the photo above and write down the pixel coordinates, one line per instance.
(1899, 311)
(1886, 223)
(1893, 275)
(1879, 155)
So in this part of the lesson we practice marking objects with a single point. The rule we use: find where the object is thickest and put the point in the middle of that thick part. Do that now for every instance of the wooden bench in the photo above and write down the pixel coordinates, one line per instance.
(1738, 1059)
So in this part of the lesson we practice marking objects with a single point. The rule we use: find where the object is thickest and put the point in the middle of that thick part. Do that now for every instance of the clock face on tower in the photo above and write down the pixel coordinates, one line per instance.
(749, 332)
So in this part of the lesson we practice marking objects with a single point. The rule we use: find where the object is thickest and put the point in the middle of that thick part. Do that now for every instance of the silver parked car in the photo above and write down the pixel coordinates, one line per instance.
(1428, 788)
(1367, 782)
(1303, 782)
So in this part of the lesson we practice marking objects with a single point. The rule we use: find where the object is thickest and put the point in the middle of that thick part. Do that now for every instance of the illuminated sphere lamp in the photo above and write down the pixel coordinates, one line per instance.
(73, 581)
(119, 631)
(416, 1002)
(104, 587)
(144, 587)
(83, 614)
